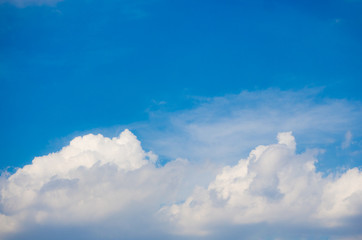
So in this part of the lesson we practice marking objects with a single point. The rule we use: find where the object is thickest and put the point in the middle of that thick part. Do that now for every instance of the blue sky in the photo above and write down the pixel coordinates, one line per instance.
(81, 65)
(206, 81)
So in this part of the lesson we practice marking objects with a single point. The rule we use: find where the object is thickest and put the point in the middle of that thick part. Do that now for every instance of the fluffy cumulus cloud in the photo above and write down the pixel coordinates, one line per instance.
(90, 180)
(103, 188)
(274, 186)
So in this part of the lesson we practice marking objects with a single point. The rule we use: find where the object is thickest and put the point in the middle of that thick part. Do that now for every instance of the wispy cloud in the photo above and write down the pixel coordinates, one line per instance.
(226, 128)
(24, 3)
(347, 140)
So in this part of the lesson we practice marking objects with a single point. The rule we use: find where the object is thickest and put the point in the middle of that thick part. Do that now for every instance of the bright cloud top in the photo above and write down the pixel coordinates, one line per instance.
(97, 180)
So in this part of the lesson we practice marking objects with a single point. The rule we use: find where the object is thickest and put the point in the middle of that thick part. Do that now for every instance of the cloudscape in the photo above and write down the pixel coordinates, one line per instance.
(96, 180)
(180, 119)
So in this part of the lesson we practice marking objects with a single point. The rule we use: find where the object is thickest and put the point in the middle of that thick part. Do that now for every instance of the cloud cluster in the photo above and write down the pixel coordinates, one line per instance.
(97, 187)
(274, 185)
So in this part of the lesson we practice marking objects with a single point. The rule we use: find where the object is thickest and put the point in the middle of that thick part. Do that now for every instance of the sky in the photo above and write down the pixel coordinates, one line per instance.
(165, 119)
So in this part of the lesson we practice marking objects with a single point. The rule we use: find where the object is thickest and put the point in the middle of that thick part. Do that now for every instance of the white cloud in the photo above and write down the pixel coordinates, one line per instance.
(111, 187)
(276, 186)
(97, 187)
(92, 179)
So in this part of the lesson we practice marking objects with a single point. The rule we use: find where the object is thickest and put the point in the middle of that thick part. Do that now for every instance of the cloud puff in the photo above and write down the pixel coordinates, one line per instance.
(110, 188)
(86, 182)
(273, 186)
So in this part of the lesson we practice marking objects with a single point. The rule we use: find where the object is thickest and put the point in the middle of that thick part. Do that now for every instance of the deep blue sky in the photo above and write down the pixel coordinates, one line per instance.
(83, 65)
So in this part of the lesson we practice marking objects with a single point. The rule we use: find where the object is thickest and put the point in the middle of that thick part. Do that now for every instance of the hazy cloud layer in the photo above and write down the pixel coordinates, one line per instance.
(97, 187)
(24, 3)
(224, 129)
